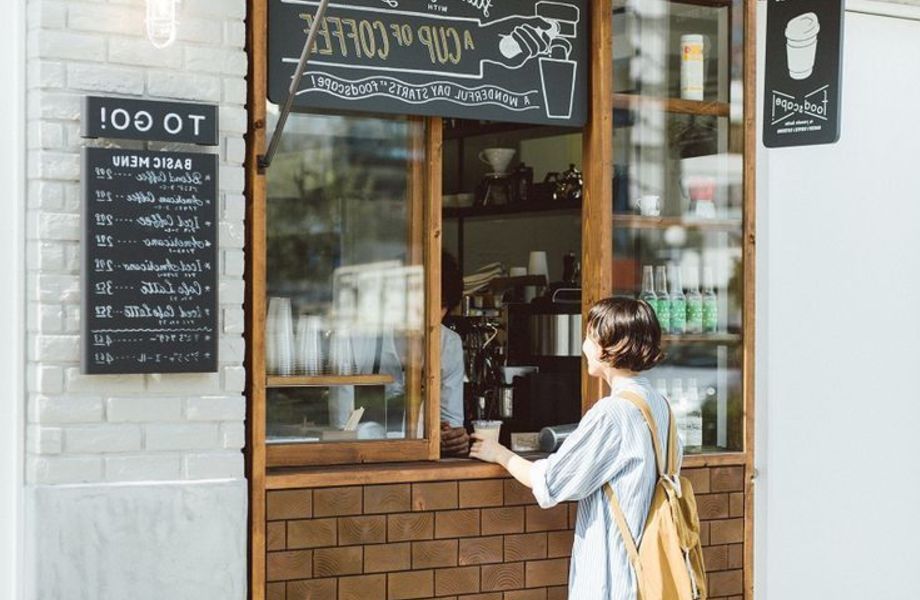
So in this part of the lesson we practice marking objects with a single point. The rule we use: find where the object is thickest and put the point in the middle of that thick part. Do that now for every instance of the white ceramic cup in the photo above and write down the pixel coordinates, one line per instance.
(497, 158)
(488, 429)
(801, 44)
(650, 206)
(536, 265)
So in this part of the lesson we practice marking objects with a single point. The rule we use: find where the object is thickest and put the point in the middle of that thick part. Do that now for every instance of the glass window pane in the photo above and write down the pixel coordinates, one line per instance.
(678, 201)
(345, 323)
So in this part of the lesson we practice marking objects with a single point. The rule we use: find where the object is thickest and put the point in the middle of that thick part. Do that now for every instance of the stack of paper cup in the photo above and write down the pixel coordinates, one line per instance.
(341, 355)
(279, 337)
(309, 345)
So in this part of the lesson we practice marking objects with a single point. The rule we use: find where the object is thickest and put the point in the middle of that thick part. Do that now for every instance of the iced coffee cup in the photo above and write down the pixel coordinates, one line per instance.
(801, 44)
(488, 430)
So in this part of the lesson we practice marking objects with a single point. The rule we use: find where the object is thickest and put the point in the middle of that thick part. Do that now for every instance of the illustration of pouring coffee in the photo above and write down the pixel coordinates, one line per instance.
(356, 37)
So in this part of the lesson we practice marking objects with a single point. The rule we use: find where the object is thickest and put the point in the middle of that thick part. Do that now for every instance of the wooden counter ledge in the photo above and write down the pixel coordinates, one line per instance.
(446, 469)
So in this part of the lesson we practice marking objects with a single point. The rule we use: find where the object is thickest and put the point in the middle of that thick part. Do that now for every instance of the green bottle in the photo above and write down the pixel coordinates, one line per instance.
(678, 304)
(710, 303)
(664, 302)
(694, 308)
(648, 288)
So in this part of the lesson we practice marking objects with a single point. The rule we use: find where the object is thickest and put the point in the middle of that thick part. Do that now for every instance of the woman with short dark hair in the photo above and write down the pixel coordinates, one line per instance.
(611, 444)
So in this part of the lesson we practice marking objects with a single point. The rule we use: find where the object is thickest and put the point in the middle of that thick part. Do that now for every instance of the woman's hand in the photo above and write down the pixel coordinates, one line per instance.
(488, 450)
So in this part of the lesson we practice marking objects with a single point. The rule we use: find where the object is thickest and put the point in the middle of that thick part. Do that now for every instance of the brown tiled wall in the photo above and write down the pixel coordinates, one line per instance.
(471, 540)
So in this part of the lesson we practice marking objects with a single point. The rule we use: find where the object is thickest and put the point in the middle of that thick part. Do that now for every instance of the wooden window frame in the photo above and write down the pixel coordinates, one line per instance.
(424, 249)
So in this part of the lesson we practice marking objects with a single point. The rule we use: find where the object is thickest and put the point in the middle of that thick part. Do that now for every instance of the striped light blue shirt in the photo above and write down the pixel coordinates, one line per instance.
(611, 443)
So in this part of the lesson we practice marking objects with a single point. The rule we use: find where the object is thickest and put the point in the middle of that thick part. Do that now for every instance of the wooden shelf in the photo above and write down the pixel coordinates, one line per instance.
(672, 105)
(516, 209)
(641, 222)
(285, 381)
(706, 338)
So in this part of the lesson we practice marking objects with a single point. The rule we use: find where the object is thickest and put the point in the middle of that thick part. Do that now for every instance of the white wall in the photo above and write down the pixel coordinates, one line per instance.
(12, 400)
(839, 286)
(149, 467)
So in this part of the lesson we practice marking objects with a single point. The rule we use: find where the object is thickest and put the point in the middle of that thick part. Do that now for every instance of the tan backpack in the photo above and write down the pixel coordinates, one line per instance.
(669, 560)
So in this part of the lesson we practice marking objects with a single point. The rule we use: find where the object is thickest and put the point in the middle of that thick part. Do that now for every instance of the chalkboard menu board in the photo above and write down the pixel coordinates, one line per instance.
(150, 261)
(514, 60)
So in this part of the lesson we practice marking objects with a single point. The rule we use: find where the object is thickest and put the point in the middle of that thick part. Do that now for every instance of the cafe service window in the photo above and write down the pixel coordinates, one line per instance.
(345, 347)
(623, 131)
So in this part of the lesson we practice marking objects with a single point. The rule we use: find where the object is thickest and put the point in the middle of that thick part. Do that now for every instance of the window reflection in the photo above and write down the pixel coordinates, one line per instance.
(678, 199)
(340, 250)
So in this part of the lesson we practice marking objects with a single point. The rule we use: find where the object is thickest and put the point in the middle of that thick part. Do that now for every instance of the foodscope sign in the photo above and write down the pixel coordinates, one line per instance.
(803, 72)
(503, 60)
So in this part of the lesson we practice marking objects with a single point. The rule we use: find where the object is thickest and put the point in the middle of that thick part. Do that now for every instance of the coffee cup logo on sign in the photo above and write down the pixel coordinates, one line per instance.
(802, 44)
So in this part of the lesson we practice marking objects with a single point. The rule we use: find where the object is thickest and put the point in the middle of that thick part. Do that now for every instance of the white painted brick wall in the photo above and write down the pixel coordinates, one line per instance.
(115, 428)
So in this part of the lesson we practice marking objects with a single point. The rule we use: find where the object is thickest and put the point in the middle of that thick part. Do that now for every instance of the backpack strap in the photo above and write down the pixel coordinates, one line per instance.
(673, 447)
(623, 526)
(642, 405)
(667, 465)
(664, 465)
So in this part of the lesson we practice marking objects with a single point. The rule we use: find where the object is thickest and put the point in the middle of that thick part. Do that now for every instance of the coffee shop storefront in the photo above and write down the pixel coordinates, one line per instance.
(561, 152)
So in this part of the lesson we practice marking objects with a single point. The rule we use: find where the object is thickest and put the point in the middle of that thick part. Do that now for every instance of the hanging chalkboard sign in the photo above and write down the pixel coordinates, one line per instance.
(802, 78)
(150, 261)
(150, 120)
(514, 60)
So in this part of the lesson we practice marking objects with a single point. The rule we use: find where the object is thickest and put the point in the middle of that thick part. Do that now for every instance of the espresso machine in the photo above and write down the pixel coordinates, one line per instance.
(523, 359)
(545, 334)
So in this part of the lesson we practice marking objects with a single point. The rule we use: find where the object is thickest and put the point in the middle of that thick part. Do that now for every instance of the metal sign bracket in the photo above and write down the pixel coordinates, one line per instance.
(265, 160)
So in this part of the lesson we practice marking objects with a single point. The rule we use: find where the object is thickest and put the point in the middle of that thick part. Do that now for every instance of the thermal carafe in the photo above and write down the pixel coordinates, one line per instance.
(555, 334)
(552, 437)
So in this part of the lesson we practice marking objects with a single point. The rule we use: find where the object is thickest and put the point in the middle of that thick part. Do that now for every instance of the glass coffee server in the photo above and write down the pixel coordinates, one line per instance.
(679, 217)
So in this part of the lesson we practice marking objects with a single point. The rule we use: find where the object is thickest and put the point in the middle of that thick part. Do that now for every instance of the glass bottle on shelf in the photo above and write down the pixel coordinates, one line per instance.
(678, 407)
(663, 309)
(648, 288)
(693, 418)
(678, 304)
(710, 303)
(694, 308)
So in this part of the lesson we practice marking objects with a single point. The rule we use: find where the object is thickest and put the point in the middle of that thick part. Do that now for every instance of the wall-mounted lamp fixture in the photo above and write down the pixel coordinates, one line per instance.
(161, 22)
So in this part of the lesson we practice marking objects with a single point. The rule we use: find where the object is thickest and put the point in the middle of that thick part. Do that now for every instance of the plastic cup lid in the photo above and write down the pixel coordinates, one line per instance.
(803, 27)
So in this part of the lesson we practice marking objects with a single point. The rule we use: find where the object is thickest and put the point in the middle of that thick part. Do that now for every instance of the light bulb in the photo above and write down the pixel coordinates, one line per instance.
(161, 22)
